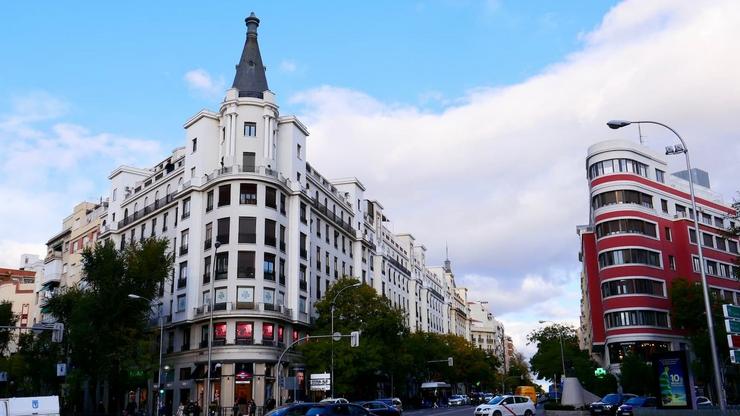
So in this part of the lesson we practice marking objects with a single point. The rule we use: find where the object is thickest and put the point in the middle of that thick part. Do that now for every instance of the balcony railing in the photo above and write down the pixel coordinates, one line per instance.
(245, 273)
(183, 250)
(333, 217)
(181, 283)
(160, 203)
(245, 305)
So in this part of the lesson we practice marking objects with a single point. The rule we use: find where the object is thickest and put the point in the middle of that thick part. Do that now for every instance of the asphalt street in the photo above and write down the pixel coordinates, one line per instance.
(450, 411)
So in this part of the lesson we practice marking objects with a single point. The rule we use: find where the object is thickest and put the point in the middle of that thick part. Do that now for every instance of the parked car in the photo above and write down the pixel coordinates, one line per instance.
(609, 404)
(703, 401)
(379, 408)
(466, 399)
(296, 409)
(627, 408)
(393, 401)
(455, 400)
(507, 406)
(337, 409)
(333, 400)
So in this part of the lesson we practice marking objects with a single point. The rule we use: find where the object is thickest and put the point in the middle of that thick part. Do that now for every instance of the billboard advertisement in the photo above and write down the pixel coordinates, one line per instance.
(674, 386)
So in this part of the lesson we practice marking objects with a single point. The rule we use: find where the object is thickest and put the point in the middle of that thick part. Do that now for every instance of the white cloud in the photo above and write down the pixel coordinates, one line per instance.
(202, 83)
(500, 174)
(288, 65)
(49, 166)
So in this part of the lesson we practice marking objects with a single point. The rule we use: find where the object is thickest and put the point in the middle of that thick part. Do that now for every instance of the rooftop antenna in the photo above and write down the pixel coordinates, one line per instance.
(448, 266)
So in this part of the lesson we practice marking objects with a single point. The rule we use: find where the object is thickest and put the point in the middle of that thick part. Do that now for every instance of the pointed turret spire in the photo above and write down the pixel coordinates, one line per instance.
(250, 77)
(448, 264)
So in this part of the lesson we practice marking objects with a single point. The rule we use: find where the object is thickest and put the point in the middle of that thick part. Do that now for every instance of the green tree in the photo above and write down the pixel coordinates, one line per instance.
(107, 334)
(636, 375)
(547, 360)
(7, 318)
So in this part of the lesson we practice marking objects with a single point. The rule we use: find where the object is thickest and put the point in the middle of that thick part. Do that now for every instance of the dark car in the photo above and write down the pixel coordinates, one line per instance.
(393, 402)
(627, 408)
(337, 409)
(298, 409)
(608, 404)
(379, 408)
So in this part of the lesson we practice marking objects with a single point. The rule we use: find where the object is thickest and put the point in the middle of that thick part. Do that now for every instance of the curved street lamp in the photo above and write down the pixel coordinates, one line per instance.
(674, 150)
(333, 301)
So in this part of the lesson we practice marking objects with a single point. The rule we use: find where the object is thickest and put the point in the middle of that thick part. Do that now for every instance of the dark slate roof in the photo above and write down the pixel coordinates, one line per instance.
(250, 77)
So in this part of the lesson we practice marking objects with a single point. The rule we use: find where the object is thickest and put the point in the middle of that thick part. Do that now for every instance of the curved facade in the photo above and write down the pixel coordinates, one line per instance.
(640, 237)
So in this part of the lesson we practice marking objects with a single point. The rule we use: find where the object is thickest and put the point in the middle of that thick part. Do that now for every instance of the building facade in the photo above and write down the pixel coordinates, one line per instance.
(16, 287)
(641, 237)
(486, 332)
(261, 234)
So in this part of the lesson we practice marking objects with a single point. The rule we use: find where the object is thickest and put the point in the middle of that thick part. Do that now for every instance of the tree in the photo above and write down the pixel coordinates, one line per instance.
(635, 375)
(107, 333)
(547, 360)
(7, 318)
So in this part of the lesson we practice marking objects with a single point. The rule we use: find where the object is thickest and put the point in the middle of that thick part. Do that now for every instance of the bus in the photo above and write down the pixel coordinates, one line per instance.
(435, 393)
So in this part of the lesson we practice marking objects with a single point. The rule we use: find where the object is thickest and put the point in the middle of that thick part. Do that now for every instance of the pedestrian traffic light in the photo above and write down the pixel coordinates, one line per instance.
(354, 339)
(449, 362)
(600, 372)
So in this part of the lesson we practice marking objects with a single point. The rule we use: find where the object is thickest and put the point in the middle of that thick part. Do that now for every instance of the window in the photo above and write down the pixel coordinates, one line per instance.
(245, 265)
(184, 242)
(208, 236)
(204, 336)
(664, 206)
(209, 200)
(244, 332)
(302, 277)
(629, 256)
(720, 243)
(282, 203)
(207, 269)
(280, 300)
(248, 164)
(302, 304)
(732, 246)
(268, 332)
(270, 197)
(248, 194)
(692, 236)
(707, 240)
(269, 266)
(667, 231)
(195, 144)
(224, 195)
(181, 303)
(304, 251)
(622, 197)
(616, 166)
(154, 227)
(298, 151)
(632, 287)
(182, 280)
(282, 238)
(268, 298)
(185, 208)
(270, 239)
(247, 230)
(282, 272)
(222, 266)
(219, 333)
(303, 213)
(636, 318)
(250, 129)
(245, 296)
(659, 176)
(672, 262)
(192, 172)
(220, 298)
(222, 230)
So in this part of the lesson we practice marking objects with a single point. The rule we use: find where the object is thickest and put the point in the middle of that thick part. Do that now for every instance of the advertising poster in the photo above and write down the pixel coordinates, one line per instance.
(673, 380)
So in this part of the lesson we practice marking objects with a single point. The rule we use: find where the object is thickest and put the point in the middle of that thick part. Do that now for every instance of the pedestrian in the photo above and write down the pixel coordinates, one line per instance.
(235, 408)
(252, 408)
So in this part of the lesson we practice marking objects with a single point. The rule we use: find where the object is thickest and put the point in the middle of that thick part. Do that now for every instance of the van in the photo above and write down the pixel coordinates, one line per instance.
(528, 391)
(30, 406)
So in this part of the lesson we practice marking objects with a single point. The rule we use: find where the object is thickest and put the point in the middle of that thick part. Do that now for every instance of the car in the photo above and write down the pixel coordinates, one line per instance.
(380, 408)
(341, 400)
(507, 405)
(393, 401)
(455, 400)
(703, 401)
(608, 404)
(627, 409)
(466, 399)
(296, 409)
(337, 409)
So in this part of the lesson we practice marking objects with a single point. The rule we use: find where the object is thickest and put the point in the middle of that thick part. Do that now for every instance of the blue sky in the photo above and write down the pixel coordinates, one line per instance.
(468, 120)
(121, 66)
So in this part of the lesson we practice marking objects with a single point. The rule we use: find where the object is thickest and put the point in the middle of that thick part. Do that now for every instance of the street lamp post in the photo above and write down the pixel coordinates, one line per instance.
(207, 397)
(562, 354)
(332, 331)
(161, 342)
(672, 150)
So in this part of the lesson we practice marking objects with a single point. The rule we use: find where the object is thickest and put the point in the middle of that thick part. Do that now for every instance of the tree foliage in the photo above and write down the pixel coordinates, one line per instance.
(636, 375)
(7, 318)
(107, 333)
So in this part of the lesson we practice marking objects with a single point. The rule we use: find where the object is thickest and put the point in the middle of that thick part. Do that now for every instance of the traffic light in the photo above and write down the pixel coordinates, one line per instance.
(354, 339)
(600, 372)
(57, 333)
(450, 363)
(161, 392)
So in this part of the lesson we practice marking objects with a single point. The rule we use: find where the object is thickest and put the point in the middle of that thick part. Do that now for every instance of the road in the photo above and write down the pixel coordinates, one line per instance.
(450, 411)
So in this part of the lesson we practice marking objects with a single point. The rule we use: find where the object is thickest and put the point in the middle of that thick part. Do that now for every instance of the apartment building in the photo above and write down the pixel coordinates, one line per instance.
(16, 287)
(640, 237)
(486, 332)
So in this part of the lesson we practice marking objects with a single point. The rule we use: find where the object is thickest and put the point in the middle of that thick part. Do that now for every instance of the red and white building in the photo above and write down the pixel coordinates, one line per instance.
(641, 237)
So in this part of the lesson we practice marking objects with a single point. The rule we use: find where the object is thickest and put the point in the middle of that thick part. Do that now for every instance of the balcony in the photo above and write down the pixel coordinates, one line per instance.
(245, 273)
(160, 203)
(183, 250)
(206, 277)
(182, 283)
(245, 305)
(207, 244)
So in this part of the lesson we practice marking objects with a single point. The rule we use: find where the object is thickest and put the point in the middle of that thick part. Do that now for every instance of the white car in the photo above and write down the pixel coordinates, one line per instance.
(338, 400)
(506, 406)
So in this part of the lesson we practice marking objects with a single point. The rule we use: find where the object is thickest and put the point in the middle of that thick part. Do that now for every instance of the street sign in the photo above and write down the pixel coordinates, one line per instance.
(337, 336)
(733, 341)
(731, 311)
(61, 369)
(735, 356)
(3, 376)
(354, 340)
(450, 362)
(320, 382)
(732, 326)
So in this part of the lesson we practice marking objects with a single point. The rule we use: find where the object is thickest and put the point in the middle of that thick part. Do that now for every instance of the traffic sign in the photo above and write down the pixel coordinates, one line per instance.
(320, 382)
(337, 336)
(731, 311)
(735, 356)
(61, 369)
(733, 341)
(732, 326)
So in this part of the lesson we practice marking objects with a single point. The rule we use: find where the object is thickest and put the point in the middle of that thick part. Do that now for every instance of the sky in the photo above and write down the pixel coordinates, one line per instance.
(469, 120)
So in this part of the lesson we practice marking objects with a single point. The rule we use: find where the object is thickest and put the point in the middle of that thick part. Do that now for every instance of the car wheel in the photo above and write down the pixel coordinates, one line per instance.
(497, 413)
(528, 413)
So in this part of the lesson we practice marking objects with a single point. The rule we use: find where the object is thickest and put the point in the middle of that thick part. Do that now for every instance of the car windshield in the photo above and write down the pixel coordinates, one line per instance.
(610, 399)
(635, 401)
(496, 400)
